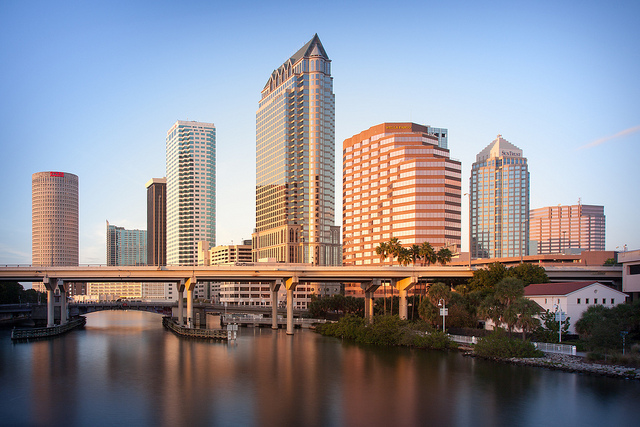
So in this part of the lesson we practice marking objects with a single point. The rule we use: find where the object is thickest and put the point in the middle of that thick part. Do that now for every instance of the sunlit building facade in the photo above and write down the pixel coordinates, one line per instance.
(499, 202)
(295, 162)
(54, 219)
(399, 181)
(191, 190)
(562, 229)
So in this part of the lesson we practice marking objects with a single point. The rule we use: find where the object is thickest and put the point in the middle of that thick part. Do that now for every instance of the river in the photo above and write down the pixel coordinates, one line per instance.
(125, 369)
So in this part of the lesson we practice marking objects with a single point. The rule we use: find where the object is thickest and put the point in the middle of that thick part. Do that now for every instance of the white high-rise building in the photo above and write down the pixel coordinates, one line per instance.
(191, 190)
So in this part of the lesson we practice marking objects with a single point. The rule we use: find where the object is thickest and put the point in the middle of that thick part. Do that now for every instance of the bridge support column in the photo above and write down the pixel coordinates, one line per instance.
(50, 285)
(275, 287)
(291, 284)
(403, 285)
(190, 284)
(63, 302)
(181, 303)
(369, 289)
(50, 311)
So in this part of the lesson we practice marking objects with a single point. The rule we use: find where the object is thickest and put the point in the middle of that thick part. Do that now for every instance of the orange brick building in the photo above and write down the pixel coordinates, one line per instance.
(398, 181)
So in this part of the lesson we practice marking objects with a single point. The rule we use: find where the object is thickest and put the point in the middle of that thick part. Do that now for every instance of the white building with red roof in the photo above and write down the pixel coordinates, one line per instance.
(573, 298)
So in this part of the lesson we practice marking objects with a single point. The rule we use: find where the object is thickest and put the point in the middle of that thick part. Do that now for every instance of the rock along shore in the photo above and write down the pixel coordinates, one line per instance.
(563, 362)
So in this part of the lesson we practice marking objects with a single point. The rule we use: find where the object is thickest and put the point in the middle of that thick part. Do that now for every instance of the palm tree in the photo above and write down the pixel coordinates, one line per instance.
(444, 255)
(394, 248)
(383, 251)
(405, 257)
(528, 320)
(427, 253)
(414, 253)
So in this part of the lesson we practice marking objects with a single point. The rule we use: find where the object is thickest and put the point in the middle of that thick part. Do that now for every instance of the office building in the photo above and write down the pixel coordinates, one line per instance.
(54, 219)
(225, 254)
(565, 229)
(126, 247)
(191, 190)
(399, 181)
(295, 162)
(499, 202)
(157, 221)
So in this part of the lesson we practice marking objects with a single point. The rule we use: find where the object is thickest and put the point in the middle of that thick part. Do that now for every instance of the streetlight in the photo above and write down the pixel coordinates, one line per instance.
(560, 316)
(444, 311)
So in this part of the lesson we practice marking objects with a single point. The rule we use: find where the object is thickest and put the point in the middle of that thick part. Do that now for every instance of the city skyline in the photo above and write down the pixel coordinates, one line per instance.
(82, 80)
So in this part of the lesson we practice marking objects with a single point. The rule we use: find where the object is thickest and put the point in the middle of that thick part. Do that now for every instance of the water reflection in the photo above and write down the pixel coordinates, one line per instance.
(125, 369)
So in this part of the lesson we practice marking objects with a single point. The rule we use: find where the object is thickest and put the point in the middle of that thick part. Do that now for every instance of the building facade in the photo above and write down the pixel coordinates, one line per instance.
(561, 229)
(191, 190)
(157, 221)
(126, 247)
(54, 219)
(399, 181)
(499, 202)
(295, 162)
(573, 298)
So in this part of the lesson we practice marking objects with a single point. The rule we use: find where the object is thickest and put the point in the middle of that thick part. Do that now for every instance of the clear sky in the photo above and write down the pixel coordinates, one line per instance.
(91, 88)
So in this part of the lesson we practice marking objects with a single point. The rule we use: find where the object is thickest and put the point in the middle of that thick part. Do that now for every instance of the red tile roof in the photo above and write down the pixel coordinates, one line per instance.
(555, 288)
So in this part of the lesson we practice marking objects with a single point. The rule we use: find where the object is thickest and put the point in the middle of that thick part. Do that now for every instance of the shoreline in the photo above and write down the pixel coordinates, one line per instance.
(567, 363)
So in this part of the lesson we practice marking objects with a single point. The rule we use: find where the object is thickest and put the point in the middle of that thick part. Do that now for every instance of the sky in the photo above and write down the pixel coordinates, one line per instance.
(91, 88)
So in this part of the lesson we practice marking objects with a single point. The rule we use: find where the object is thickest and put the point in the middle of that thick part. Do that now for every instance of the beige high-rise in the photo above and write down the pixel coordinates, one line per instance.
(295, 162)
(54, 219)
(398, 181)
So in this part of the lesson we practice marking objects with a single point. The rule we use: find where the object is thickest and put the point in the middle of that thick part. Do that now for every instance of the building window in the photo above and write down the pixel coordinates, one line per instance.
(578, 300)
(634, 269)
(586, 300)
(612, 301)
(595, 300)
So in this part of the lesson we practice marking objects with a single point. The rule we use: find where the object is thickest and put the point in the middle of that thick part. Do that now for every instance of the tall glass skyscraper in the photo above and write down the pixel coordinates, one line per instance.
(499, 202)
(126, 247)
(295, 162)
(191, 190)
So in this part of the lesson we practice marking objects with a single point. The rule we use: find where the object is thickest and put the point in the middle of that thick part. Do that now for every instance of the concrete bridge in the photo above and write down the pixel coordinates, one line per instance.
(370, 279)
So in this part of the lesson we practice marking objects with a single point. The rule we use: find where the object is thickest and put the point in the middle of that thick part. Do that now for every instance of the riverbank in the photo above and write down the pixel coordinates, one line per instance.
(576, 364)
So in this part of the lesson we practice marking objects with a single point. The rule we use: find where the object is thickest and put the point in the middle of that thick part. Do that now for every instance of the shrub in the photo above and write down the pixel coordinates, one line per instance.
(499, 345)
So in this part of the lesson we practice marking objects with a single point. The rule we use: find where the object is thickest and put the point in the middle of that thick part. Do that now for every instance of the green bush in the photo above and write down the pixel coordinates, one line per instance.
(499, 345)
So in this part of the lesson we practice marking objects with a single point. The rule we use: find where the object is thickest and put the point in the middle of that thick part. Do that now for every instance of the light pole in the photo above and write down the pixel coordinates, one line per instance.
(559, 315)
(443, 311)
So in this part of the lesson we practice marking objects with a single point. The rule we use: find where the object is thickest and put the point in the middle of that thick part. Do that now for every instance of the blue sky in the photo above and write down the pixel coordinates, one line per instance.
(92, 87)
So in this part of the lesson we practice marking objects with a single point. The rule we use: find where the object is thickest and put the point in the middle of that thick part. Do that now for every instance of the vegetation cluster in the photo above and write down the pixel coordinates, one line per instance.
(14, 293)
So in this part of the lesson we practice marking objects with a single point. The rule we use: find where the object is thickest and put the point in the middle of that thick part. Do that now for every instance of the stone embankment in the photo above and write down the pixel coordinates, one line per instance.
(576, 364)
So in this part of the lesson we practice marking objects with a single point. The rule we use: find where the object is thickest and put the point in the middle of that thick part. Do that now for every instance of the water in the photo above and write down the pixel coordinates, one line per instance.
(125, 369)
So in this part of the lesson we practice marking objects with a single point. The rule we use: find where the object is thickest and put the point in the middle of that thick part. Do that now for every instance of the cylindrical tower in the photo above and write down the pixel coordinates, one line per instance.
(54, 219)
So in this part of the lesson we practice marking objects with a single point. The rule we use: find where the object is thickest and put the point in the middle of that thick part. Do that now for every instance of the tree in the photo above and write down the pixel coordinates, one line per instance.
(528, 312)
(404, 257)
(427, 254)
(550, 326)
(528, 273)
(502, 306)
(414, 252)
(487, 277)
(395, 248)
(382, 250)
(444, 256)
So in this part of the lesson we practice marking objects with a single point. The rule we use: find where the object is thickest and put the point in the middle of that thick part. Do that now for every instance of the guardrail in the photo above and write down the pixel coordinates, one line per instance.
(542, 346)
(36, 333)
(556, 348)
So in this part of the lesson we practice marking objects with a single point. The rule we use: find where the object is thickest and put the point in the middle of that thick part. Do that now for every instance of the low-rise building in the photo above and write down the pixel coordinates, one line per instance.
(573, 298)
(630, 273)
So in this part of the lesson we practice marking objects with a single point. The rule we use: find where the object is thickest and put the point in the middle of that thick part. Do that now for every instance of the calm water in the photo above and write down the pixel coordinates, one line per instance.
(124, 369)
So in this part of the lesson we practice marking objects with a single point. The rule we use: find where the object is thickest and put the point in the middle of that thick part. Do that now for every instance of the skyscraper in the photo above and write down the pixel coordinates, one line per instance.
(558, 229)
(295, 162)
(499, 202)
(126, 247)
(398, 181)
(54, 219)
(157, 221)
(191, 190)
